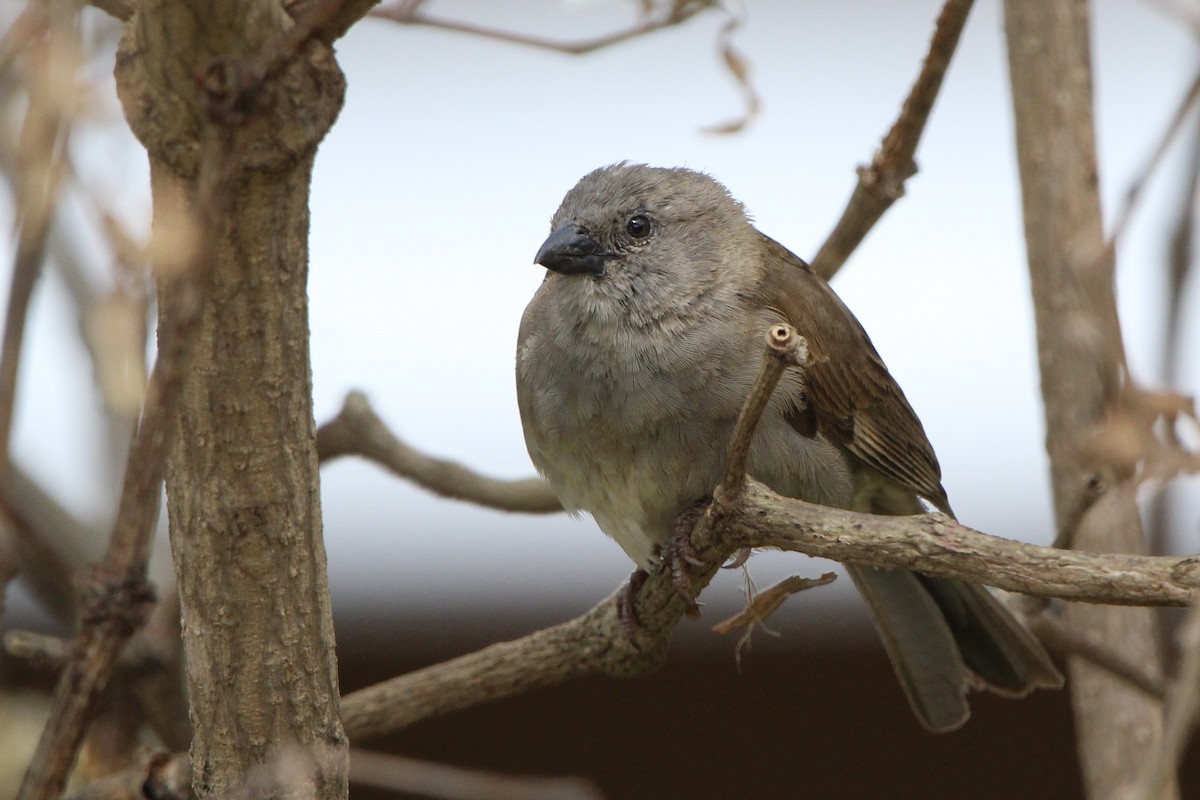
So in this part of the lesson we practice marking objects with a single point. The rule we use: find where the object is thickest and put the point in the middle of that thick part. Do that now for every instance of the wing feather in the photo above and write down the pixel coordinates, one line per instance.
(855, 400)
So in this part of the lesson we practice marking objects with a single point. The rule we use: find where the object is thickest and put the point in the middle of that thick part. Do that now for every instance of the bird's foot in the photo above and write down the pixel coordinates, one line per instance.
(678, 553)
(626, 611)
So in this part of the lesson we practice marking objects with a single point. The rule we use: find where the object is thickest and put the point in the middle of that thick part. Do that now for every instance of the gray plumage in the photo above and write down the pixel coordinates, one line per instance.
(635, 356)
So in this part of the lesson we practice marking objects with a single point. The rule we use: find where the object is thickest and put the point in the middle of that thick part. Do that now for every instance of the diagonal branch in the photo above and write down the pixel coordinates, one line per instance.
(39, 161)
(1063, 641)
(121, 9)
(408, 12)
(357, 430)
(882, 183)
(329, 22)
(785, 348)
(1183, 111)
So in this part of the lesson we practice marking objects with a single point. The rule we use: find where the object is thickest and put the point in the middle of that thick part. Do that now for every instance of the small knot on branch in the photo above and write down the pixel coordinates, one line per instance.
(127, 601)
(784, 343)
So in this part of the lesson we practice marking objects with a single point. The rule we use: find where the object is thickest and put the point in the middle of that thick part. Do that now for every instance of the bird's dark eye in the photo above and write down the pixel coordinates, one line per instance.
(638, 226)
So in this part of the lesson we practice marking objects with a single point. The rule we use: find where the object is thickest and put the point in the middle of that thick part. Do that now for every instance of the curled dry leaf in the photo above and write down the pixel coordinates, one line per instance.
(764, 604)
(1145, 436)
(739, 68)
(760, 605)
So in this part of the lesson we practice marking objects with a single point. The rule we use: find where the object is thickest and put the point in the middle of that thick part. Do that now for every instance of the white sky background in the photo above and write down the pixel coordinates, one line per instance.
(435, 189)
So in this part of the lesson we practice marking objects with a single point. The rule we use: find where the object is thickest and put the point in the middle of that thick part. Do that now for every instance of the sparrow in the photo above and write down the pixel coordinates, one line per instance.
(634, 358)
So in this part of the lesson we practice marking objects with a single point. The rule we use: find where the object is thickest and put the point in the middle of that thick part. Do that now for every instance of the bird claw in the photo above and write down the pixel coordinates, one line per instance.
(678, 553)
(627, 611)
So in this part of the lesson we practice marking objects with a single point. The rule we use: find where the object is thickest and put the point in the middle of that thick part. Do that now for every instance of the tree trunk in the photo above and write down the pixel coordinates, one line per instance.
(1082, 361)
(242, 482)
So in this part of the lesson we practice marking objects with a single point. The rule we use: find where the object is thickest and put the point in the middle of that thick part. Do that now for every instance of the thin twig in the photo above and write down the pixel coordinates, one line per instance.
(31, 242)
(66, 256)
(1185, 10)
(1179, 267)
(1063, 640)
(882, 183)
(47, 541)
(357, 430)
(121, 9)
(411, 776)
(784, 348)
(39, 161)
(9, 563)
(408, 13)
(325, 20)
(1129, 202)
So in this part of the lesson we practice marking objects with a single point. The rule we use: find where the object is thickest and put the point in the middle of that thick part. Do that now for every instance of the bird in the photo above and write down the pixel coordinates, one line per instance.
(634, 358)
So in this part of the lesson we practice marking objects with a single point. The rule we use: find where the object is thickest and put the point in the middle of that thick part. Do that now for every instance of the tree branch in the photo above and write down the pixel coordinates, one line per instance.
(596, 642)
(325, 20)
(51, 47)
(331, 20)
(121, 9)
(1133, 193)
(785, 348)
(1063, 641)
(409, 13)
(935, 544)
(357, 430)
(47, 540)
(882, 183)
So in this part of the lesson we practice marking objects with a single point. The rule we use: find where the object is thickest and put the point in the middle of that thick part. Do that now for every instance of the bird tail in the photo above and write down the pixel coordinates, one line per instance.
(945, 637)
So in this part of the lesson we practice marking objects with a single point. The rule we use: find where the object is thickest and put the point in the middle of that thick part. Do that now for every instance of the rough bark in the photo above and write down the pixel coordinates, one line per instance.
(1082, 364)
(242, 483)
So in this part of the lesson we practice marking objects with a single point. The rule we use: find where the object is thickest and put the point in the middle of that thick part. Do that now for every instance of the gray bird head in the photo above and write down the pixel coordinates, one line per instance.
(627, 227)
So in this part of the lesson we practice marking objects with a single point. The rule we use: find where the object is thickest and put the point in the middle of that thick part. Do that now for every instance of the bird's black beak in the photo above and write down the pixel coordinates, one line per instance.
(570, 251)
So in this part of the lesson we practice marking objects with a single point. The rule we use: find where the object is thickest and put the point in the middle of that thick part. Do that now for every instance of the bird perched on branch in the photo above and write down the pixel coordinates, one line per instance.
(635, 356)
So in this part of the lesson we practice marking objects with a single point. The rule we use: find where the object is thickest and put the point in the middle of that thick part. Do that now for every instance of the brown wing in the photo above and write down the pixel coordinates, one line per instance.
(856, 402)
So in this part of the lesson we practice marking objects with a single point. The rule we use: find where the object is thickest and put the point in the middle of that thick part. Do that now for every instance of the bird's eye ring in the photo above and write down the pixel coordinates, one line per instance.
(638, 226)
